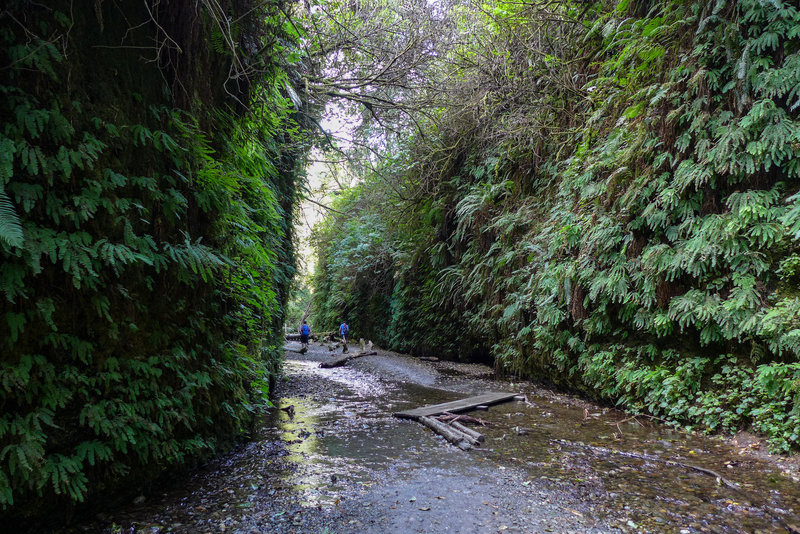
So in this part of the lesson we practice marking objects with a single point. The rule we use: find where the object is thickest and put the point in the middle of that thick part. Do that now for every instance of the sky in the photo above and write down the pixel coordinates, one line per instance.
(339, 123)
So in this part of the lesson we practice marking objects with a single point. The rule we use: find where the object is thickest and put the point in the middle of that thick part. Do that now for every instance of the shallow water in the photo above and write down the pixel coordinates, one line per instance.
(635, 466)
(341, 442)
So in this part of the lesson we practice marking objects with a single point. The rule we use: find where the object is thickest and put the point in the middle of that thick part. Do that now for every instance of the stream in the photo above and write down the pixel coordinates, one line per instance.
(331, 458)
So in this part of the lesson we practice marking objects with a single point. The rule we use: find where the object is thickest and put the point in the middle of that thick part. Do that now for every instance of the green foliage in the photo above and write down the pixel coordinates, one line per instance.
(297, 305)
(630, 227)
(353, 276)
(10, 227)
(146, 250)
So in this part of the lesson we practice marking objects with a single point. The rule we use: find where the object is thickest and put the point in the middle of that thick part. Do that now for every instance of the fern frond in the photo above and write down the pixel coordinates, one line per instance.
(10, 227)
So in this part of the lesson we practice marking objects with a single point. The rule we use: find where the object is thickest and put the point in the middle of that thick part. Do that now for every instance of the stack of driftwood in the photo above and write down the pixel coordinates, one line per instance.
(448, 426)
(441, 419)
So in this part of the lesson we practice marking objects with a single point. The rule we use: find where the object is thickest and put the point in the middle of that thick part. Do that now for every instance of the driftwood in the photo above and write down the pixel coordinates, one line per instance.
(477, 436)
(453, 420)
(329, 337)
(343, 360)
(296, 337)
(428, 358)
(313, 336)
(457, 438)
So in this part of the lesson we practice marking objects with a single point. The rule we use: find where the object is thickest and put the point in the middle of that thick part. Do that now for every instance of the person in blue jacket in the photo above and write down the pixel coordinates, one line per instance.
(344, 331)
(305, 331)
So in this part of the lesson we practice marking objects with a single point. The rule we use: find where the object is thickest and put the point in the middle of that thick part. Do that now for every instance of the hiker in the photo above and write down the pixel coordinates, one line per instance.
(304, 332)
(344, 330)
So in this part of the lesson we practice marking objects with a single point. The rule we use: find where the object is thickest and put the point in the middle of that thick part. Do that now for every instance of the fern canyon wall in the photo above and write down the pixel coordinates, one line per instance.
(606, 198)
(149, 163)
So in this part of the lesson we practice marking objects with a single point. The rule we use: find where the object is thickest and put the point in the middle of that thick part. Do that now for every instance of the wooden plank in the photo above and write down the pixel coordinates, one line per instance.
(456, 406)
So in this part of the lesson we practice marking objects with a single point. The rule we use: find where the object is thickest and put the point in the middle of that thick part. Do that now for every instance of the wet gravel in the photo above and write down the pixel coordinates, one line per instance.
(331, 458)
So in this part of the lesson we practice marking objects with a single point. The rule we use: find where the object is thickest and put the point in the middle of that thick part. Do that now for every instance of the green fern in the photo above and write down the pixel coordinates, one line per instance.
(10, 226)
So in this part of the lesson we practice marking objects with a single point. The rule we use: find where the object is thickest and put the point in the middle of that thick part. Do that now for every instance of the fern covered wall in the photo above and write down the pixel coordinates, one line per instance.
(354, 283)
(149, 159)
(613, 208)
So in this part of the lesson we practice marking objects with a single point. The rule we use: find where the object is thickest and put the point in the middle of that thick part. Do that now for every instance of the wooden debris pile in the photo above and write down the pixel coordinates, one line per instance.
(344, 359)
(449, 427)
(441, 418)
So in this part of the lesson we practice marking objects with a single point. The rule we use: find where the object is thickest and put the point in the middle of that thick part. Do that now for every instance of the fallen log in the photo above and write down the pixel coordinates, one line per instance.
(343, 360)
(296, 337)
(459, 439)
(477, 436)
